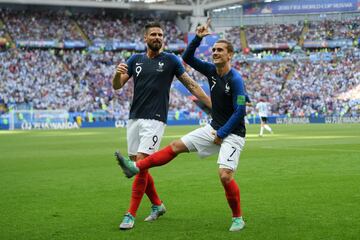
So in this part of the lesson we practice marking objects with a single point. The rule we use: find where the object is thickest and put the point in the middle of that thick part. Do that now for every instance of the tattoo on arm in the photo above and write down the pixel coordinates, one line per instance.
(188, 82)
(195, 89)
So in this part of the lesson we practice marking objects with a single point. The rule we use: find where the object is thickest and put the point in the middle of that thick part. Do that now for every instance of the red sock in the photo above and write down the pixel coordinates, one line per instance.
(138, 190)
(232, 193)
(151, 191)
(159, 158)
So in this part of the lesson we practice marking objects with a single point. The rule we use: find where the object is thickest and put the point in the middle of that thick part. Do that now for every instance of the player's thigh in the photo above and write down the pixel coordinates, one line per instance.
(230, 151)
(202, 141)
(133, 137)
(151, 133)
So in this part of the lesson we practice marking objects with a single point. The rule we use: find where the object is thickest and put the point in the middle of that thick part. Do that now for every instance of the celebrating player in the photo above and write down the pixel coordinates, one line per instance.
(226, 133)
(153, 73)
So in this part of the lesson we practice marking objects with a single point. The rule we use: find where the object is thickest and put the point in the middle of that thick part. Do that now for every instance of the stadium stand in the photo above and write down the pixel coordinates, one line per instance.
(297, 83)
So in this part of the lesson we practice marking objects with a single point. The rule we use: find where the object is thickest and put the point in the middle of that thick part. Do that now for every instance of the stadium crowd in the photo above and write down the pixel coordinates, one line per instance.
(317, 30)
(125, 27)
(40, 25)
(80, 80)
(279, 33)
(334, 29)
(65, 25)
(303, 87)
(72, 80)
(321, 86)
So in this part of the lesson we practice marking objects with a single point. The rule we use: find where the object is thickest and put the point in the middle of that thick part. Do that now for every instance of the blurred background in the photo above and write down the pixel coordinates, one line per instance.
(57, 58)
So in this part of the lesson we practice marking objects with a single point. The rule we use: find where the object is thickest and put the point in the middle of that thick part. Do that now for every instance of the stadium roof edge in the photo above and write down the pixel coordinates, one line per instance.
(223, 3)
(104, 4)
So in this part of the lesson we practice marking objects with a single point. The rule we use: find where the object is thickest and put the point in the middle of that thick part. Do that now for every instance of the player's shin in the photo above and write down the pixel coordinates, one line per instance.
(232, 193)
(159, 158)
(151, 191)
(138, 190)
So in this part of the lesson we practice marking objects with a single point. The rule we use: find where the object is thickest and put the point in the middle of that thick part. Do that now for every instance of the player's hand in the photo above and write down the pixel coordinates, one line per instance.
(122, 68)
(203, 30)
(217, 140)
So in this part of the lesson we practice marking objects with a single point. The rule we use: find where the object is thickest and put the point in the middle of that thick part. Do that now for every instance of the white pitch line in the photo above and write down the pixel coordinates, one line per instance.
(314, 149)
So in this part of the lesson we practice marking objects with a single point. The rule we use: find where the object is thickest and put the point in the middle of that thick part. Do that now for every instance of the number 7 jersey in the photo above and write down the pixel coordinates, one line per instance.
(228, 95)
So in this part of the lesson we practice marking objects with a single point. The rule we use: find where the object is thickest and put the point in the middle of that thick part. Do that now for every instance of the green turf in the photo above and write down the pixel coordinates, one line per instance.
(301, 183)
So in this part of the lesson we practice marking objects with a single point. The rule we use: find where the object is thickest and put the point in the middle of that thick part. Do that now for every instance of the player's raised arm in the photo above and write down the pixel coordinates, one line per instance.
(121, 76)
(203, 30)
(189, 54)
(195, 89)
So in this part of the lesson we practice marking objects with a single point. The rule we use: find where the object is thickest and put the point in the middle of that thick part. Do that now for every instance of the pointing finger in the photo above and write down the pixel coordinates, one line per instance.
(208, 22)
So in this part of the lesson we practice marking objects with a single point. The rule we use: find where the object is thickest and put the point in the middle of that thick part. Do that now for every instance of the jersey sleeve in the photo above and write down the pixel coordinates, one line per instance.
(239, 104)
(189, 57)
(130, 63)
(179, 68)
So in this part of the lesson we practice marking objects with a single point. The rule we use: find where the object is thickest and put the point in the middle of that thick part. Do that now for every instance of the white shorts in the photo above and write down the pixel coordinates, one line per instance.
(144, 136)
(202, 141)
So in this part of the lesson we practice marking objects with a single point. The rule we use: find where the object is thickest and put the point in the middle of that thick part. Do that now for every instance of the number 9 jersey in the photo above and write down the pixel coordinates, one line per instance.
(152, 81)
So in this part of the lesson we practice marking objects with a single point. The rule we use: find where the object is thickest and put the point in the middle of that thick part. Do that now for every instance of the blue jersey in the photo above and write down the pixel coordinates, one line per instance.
(152, 81)
(228, 95)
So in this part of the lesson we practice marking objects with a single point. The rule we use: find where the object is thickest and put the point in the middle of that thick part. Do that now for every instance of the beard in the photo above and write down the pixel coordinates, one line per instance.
(155, 46)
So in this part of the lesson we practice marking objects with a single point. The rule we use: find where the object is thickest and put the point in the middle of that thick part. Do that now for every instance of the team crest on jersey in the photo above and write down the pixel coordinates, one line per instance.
(227, 89)
(213, 79)
(161, 67)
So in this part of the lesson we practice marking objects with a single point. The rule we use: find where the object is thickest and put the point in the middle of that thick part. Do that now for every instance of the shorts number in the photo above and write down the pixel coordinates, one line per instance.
(155, 140)
(232, 154)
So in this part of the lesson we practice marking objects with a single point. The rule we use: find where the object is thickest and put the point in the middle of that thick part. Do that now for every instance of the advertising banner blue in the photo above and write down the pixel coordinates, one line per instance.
(328, 44)
(51, 44)
(38, 44)
(123, 123)
(302, 6)
(262, 46)
(139, 46)
(176, 46)
(74, 44)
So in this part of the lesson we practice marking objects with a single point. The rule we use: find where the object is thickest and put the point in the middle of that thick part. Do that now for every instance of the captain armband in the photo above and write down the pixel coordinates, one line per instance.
(241, 100)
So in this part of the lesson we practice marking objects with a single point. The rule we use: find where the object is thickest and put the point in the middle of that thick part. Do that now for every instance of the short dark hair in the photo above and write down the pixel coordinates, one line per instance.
(152, 25)
(229, 45)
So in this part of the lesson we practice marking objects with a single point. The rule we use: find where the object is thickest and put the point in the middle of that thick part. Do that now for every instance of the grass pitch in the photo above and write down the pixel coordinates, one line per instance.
(303, 182)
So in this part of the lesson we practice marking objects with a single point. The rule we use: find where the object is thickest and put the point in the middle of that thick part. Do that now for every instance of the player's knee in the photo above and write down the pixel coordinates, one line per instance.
(225, 180)
(140, 156)
(178, 146)
(225, 177)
